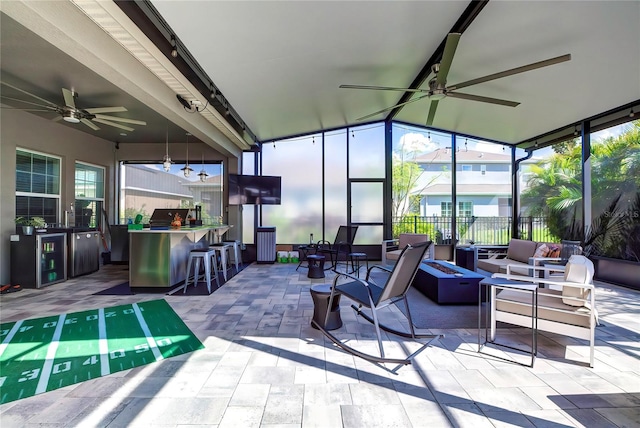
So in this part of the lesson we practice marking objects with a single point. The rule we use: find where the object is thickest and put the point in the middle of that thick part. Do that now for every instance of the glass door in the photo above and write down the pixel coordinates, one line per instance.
(366, 210)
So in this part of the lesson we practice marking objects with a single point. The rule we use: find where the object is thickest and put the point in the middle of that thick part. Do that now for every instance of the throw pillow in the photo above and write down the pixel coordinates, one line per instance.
(554, 251)
(541, 251)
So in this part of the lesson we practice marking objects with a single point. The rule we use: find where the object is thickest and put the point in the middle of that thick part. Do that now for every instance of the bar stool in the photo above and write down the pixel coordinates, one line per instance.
(356, 260)
(237, 253)
(195, 256)
(224, 250)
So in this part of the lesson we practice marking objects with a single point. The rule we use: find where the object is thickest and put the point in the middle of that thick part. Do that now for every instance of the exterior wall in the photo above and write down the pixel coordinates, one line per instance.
(24, 130)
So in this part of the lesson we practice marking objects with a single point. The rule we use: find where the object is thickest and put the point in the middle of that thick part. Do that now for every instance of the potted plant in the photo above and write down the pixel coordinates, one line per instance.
(28, 224)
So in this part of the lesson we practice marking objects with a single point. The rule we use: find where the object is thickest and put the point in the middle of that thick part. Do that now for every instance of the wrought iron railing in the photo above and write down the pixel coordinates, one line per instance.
(480, 230)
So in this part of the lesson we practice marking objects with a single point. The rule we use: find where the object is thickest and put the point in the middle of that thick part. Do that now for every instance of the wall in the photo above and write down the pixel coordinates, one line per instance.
(25, 130)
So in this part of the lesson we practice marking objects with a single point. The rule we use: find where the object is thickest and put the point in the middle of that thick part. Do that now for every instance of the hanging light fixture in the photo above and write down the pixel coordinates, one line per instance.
(166, 161)
(203, 174)
(186, 170)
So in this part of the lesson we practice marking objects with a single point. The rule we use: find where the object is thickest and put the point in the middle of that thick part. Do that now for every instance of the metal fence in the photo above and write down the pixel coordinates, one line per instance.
(480, 230)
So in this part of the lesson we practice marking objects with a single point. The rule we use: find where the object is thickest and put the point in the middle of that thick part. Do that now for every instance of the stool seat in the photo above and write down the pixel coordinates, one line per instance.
(356, 259)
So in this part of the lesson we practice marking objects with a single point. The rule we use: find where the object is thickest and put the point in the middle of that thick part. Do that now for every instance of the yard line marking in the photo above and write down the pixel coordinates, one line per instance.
(9, 337)
(103, 346)
(43, 382)
(145, 329)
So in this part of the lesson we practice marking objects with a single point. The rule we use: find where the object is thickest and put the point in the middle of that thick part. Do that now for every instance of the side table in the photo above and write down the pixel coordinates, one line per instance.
(356, 260)
(467, 257)
(320, 294)
(492, 285)
(316, 266)
(304, 253)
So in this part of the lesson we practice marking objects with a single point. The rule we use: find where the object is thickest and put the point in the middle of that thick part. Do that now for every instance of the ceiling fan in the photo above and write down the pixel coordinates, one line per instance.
(438, 88)
(69, 112)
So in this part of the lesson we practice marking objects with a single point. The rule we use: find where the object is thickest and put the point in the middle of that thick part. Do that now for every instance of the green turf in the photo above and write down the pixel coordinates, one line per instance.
(43, 354)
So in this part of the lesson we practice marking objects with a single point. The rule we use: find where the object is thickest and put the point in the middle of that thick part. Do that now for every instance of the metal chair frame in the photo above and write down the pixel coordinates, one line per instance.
(366, 293)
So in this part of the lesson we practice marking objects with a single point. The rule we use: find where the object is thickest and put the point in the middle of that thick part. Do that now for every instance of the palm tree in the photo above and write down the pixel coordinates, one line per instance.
(555, 188)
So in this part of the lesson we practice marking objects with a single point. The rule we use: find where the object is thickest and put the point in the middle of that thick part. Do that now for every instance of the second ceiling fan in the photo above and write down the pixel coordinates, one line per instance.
(69, 112)
(438, 88)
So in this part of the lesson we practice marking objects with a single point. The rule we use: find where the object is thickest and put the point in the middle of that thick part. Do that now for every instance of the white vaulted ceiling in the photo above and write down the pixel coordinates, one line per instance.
(279, 64)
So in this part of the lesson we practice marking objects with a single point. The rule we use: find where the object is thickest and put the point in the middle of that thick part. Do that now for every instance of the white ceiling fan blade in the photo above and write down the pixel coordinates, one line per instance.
(69, 100)
(99, 110)
(121, 119)
(482, 99)
(393, 106)
(90, 124)
(30, 94)
(117, 125)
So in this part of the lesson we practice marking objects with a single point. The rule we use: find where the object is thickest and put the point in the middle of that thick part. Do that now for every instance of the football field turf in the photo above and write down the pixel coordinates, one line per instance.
(43, 354)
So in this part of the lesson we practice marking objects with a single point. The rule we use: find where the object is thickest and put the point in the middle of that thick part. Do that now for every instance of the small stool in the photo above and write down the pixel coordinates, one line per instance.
(320, 294)
(356, 259)
(316, 266)
(224, 250)
(195, 256)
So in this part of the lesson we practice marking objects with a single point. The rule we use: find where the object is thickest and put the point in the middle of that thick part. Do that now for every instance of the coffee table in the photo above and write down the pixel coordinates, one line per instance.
(460, 287)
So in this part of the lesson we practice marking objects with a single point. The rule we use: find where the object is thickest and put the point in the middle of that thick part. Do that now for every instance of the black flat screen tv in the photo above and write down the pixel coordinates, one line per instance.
(254, 189)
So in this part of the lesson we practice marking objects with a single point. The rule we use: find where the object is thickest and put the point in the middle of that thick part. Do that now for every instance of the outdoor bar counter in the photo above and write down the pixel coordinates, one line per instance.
(158, 258)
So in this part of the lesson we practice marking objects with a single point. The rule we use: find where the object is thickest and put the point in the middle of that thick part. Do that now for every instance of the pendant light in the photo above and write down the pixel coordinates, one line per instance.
(186, 170)
(166, 161)
(203, 174)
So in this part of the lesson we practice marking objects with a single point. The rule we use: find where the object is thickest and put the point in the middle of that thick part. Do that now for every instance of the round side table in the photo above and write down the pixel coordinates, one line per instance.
(316, 266)
(320, 294)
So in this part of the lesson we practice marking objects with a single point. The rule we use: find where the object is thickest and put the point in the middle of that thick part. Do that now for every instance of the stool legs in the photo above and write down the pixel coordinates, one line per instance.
(193, 275)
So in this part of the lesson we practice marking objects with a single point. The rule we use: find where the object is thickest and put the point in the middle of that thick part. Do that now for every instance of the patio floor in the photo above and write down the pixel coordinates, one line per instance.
(264, 366)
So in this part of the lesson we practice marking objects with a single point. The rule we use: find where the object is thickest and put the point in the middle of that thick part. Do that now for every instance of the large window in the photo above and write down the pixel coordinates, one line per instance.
(615, 191)
(89, 194)
(37, 185)
(145, 187)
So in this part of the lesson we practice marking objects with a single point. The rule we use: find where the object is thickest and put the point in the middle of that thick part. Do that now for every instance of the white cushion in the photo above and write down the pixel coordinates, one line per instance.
(580, 270)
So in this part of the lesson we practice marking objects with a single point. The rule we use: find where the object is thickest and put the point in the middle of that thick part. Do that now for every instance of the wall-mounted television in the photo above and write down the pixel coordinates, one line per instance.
(254, 189)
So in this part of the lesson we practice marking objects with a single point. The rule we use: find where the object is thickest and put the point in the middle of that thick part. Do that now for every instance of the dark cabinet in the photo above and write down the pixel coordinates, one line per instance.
(38, 260)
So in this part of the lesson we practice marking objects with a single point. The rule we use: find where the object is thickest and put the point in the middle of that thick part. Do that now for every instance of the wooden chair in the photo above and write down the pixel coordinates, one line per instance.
(368, 294)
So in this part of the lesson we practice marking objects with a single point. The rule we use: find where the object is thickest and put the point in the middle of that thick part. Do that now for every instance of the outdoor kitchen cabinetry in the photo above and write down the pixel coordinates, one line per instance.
(38, 260)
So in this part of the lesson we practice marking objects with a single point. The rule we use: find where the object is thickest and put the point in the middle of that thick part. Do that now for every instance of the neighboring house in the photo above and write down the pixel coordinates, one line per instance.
(483, 185)
(145, 189)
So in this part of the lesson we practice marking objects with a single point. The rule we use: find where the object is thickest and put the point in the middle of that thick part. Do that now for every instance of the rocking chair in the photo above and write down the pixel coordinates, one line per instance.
(341, 245)
(366, 293)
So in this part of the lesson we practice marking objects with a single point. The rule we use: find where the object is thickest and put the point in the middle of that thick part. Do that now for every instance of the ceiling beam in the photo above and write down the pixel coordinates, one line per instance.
(468, 16)
(154, 26)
